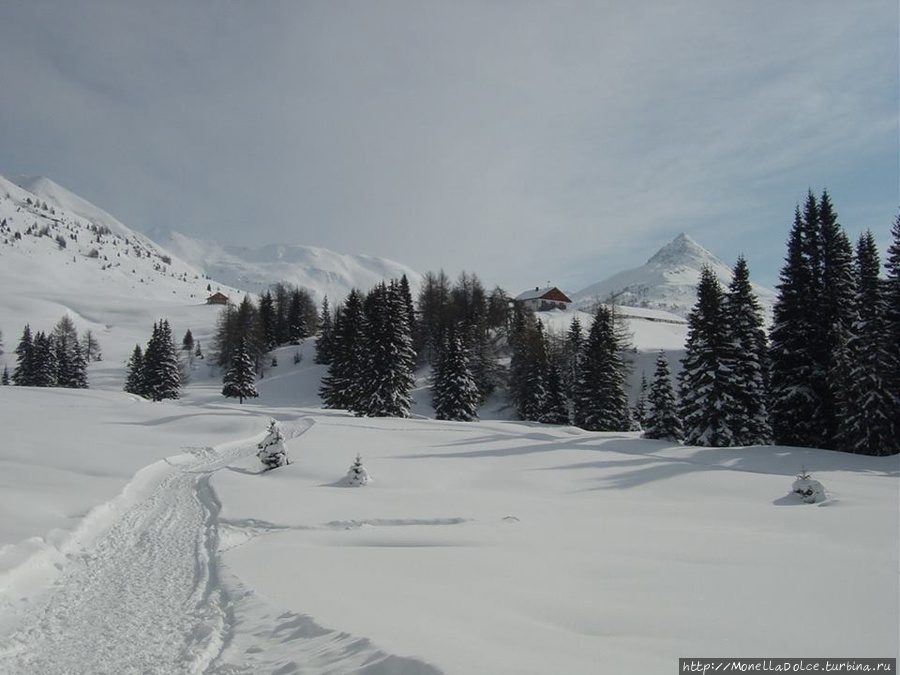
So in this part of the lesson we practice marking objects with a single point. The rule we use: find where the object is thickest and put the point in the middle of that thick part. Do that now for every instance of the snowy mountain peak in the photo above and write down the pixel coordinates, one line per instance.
(684, 251)
(668, 280)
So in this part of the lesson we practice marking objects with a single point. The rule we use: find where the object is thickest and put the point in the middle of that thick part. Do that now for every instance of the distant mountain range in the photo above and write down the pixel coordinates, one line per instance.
(55, 238)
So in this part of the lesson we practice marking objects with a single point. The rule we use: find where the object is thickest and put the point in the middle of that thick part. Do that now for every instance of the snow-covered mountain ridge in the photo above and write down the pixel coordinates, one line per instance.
(667, 281)
(321, 271)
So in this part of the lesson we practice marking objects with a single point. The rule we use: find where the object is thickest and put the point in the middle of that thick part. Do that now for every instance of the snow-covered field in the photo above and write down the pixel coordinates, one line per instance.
(141, 537)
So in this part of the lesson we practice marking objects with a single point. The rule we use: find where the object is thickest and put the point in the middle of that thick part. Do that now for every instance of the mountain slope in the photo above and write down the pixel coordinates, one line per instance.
(321, 271)
(667, 281)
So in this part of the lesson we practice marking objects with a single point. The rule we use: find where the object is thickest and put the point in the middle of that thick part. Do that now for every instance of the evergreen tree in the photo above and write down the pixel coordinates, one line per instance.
(556, 404)
(663, 421)
(797, 375)
(533, 399)
(45, 361)
(389, 359)
(707, 402)
(892, 327)
(187, 342)
(240, 378)
(868, 429)
(5, 379)
(572, 353)
(455, 393)
(340, 385)
(268, 321)
(23, 374)
(325, 343)
(600, 400)
(71, 368)
(162, 375)
(134, 380)
(749, 366)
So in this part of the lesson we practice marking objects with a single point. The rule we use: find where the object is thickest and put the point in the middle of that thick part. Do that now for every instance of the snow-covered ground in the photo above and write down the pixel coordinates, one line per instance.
(487, 547)
(141, 537)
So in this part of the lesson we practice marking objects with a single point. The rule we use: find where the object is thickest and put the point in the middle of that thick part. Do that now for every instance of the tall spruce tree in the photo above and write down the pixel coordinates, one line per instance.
(836, 317)
(46, 363)
(325, 343)
(387, 377)
(240, 378)
(600, 400)
(707, 399)
(797, 374)
(341, 384)
(892, 326)
(868, 428)
(23, 374)
(162, 374)
(455, 394)
(134, 379)
(749, 364)
(663, 421)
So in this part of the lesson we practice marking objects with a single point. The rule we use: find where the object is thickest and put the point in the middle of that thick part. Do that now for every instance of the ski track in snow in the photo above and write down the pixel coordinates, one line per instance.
(147, 597)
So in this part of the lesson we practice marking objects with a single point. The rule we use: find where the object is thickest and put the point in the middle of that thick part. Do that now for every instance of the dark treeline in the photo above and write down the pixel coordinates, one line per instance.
(55, 359)
(825, 374)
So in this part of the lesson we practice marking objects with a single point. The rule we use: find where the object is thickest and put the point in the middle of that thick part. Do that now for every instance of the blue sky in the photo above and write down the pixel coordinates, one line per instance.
(525, 141)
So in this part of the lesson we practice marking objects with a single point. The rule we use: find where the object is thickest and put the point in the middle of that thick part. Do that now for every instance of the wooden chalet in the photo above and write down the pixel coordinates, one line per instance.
(544, 299)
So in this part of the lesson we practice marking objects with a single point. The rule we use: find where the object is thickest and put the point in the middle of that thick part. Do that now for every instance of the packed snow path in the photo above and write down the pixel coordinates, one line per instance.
(145, 598)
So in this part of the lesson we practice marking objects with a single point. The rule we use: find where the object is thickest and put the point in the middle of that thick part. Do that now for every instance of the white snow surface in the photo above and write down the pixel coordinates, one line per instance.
(141, 537)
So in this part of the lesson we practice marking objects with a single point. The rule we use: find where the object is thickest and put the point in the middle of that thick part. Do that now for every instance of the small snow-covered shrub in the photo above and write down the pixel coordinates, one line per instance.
(272, 450)
(357, 476)
(810, 490)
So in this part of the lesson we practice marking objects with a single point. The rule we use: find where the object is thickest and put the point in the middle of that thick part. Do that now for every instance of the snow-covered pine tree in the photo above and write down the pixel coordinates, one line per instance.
(868, 428)
(455, 394)
(388, 374)
(272, 450)
(240, 378)
(268, 321)
(836, 317)
(134, 380)
(797, 375)
(749, 366)
(707, 403)
(162, 374)
(4, 380)
(357, 476)
(600, 400)
(892, 326)
(572, 353)
(556, 404)
(325, 342)
(340, 385)
(663, 421)
(23, 374)
(533, 399)
(45, 361)
(71, 365)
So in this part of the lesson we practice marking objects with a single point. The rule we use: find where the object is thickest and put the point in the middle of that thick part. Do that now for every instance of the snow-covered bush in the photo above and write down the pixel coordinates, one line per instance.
(272, 451)
(357, 476)
(810, 490)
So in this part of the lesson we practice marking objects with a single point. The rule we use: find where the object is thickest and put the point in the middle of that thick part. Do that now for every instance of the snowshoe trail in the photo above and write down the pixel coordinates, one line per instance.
(146, 597)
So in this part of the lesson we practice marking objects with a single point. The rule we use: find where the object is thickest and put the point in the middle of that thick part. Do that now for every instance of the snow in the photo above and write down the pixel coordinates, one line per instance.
(143, 537)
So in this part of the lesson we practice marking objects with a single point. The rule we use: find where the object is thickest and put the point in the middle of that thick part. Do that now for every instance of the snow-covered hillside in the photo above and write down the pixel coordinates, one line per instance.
(668, 280)
(320, 271)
